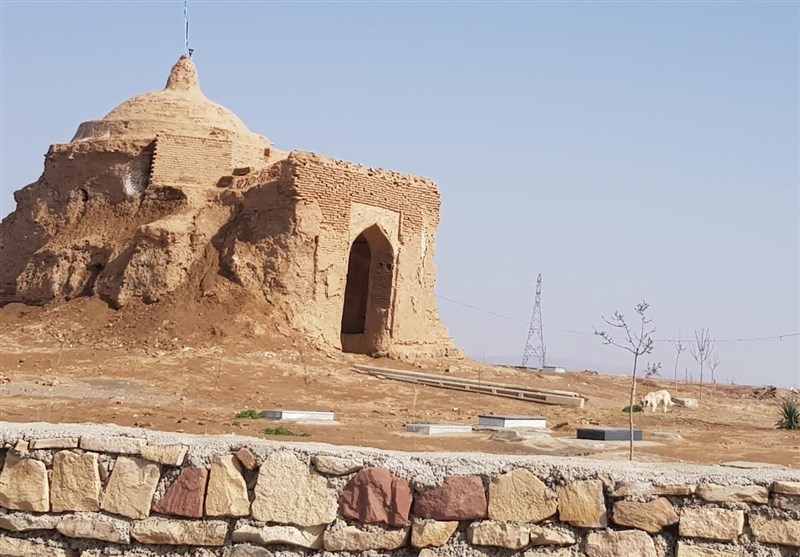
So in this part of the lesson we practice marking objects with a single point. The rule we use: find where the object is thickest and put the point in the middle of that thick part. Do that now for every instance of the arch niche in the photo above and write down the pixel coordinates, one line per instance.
(366, 314)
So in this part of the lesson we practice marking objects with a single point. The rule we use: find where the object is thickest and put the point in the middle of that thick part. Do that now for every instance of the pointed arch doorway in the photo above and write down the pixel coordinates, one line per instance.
(366, 313)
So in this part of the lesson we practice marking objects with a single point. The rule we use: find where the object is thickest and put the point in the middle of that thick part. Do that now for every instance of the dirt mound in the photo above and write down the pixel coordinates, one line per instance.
(225, 315)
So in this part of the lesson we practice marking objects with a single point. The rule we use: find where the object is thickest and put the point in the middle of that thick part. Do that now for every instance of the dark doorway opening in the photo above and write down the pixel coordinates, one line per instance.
(366, 313)
(356, 293)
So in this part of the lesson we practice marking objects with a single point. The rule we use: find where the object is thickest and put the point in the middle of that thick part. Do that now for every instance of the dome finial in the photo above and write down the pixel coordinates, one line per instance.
(183, 76)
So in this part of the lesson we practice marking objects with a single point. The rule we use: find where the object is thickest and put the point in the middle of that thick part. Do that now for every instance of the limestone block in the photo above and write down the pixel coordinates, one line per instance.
(551, 536)
(180, 532)
(131, 487)
(24, 485)
(75, 484)
(287, 492)
(781, 531)
(787, 488)
(674, 490)
(334, 465)
(686, 550)
(520, 496)
(787, 502)
(14, 547)
(246, 550)
(309, 537)
(617, 544)
(427, 553)
(227, 490)
(24, 522)
(168, 455)
(246, 458)
(95, 527)
(351, 538)
(651, 517)
(733, 493)
(432, 533)
(499, 534)
(711, 524)
(54, 443)
(640, 489)
(374, 496)
(119, 445)
(631, 489)
(458, 498)
(186, 495)
(556, 553)
(583, 504)
(105, 470)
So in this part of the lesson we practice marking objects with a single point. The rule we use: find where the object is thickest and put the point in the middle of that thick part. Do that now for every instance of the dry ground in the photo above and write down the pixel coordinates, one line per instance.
(84, 364)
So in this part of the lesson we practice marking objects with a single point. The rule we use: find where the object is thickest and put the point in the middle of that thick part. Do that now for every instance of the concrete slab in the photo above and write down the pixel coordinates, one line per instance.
(554, 369)
(608, 434)
(537, 422)
(298, 415)
(439, 429)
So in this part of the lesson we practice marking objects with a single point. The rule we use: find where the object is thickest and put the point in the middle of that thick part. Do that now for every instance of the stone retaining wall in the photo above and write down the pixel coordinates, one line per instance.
(91, 491)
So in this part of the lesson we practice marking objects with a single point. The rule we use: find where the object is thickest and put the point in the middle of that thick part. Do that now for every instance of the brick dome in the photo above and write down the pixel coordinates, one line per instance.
(180, 108)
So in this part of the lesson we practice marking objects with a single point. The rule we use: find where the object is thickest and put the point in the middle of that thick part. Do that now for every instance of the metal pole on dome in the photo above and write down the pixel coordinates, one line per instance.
(186, 50)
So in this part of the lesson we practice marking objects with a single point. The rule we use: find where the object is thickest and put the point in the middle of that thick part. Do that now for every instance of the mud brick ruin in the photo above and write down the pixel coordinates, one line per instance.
(171, 188)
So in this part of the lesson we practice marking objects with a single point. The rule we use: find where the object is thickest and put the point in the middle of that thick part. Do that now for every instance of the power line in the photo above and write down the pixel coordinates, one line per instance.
(739, 339)
(462, 304)
(573, 331)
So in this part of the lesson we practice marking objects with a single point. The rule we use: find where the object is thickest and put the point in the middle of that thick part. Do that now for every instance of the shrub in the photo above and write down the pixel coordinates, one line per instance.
(280, 430)
(636, 408)
(790, 415)
(248, 415)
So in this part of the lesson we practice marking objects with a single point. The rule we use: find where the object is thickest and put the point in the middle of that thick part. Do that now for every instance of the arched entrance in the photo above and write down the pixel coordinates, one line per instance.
(368, 293)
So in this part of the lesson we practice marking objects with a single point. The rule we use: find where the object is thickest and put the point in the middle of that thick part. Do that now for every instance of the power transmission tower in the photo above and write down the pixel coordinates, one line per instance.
(535, 332)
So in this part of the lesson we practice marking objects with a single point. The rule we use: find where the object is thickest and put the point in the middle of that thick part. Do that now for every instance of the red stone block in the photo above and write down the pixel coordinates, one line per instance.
(459, 498)
(186, 494)
(374, 496)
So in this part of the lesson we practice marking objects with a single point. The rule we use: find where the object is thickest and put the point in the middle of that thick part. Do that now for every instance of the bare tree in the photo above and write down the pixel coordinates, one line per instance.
(713, 364)
(679, 348)
(638, 344)
(701, 350)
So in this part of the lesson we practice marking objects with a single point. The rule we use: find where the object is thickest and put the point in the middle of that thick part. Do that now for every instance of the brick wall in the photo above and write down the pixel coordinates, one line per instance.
(332, 188)
(180, 160)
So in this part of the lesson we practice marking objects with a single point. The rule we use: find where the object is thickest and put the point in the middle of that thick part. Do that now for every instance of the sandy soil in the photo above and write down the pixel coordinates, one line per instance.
(85, 363)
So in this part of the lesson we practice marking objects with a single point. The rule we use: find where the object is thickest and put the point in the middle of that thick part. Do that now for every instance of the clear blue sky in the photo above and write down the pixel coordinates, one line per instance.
(624, 150)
